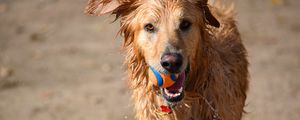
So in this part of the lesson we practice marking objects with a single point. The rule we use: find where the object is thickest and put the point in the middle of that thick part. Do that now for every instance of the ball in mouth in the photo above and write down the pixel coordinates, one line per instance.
(171, 85)
(174, 93)
(162, 80)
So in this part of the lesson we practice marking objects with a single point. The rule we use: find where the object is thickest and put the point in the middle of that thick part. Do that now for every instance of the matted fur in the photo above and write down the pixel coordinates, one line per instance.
(218, 68)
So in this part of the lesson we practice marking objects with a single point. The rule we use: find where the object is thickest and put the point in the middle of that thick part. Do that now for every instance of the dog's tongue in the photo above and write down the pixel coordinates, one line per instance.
(178, 84)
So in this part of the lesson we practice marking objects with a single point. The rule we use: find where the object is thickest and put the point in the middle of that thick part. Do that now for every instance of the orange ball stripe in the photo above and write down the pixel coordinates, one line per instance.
(162, 80)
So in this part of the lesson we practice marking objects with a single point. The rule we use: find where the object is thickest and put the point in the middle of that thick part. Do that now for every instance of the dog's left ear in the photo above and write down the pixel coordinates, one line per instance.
(209, 18)
(101, 7)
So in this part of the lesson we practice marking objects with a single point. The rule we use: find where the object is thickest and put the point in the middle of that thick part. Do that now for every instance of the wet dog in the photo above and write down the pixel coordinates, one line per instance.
(196, 41)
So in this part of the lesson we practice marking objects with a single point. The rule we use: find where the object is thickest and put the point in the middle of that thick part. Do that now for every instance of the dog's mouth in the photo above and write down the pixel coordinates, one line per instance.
(175, 93)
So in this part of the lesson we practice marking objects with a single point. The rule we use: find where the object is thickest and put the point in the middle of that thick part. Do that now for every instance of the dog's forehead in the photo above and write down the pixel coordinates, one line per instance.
(170, 9)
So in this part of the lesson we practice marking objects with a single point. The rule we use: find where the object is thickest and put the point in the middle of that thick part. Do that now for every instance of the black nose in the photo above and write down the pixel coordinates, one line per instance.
(171, 62)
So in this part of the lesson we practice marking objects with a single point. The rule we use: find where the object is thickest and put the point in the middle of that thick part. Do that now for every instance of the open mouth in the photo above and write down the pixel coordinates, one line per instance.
(174, 93)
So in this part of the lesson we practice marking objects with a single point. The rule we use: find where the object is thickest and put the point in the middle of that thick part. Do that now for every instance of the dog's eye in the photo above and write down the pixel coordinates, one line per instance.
(149, 27)
(185, 25)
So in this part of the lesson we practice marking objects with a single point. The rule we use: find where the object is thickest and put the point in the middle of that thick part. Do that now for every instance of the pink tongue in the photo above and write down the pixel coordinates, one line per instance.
(178, 84)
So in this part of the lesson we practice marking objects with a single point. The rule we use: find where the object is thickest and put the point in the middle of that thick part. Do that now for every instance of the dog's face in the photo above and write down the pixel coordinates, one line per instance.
(166, 32)
(168, 35)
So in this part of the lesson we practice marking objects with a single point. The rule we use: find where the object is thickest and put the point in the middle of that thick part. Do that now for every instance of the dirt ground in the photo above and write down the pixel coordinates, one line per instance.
(58, 64)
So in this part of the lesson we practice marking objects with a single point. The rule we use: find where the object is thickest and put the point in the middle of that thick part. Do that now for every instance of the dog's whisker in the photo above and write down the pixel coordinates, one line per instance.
(186, 105)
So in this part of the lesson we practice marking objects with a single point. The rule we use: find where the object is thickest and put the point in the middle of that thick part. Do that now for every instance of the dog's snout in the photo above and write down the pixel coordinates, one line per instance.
(171, 62)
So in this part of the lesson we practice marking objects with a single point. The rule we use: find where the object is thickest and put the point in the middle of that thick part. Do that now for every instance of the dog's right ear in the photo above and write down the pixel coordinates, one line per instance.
(101, 7)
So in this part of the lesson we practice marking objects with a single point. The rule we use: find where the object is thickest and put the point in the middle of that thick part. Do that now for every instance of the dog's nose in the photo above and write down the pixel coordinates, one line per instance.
(171, 62)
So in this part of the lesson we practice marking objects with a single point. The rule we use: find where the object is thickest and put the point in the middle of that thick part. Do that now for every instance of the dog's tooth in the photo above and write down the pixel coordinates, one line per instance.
(166, 91)
(181, 89)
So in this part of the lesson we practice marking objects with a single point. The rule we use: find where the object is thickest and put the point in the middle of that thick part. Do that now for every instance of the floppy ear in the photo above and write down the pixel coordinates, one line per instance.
(101, 7)
(209, 18)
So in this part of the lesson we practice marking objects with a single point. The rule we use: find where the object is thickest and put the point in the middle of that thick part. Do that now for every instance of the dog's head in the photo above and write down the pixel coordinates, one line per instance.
(167, 33)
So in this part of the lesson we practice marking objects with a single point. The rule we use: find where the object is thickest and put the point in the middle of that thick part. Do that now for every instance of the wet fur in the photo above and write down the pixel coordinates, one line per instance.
(218, 70)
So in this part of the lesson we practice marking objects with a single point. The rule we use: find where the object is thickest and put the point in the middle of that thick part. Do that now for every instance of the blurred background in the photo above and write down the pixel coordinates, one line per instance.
(58, 64)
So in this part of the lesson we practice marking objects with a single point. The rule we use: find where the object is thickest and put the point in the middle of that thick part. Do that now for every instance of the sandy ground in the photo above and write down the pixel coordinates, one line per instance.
(58, 64)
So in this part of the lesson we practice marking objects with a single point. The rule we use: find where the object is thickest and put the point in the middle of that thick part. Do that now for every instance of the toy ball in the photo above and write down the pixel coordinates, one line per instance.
(160, 79)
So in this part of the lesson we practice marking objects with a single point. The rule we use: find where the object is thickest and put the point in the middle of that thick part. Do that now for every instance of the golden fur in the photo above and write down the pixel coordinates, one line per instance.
(217, 58)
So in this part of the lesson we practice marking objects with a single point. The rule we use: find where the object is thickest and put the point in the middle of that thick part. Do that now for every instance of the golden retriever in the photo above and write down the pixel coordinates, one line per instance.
(193, 39)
